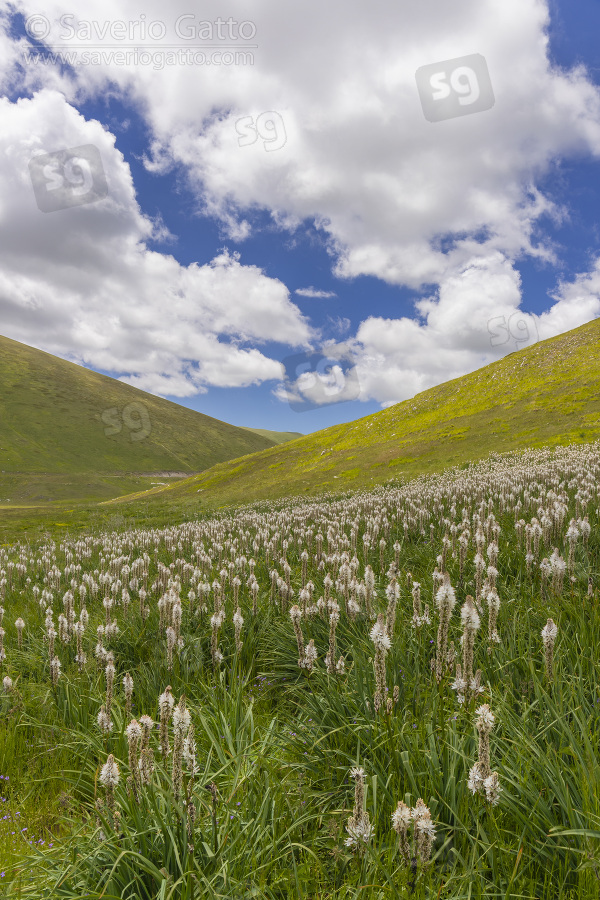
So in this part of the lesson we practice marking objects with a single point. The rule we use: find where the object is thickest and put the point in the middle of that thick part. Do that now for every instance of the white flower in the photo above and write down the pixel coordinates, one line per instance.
(181, 719)
(7, 684)
(104, 721)
(133, 730)
(572, 531)
(310, 651)
(379, 636)
(426, 826)
(476, 688)
(189, 754)
(549, 632)
(353, 607)
(166, 699)
(357, 772)
(392, 591)
(358, 831)
(469, 617)
(110, 772)
(475, 780)
(493, 600)
(492, 788)
(419, 811)
(485, 718)
(459, 684)
(401, 817)
(445, 597)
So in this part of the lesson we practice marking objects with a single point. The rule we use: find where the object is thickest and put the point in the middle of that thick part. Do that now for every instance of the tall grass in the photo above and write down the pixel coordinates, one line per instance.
(275, 745)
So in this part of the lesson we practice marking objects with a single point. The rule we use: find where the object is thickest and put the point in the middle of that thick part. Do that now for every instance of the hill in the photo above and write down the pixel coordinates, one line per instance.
(545, 394)
(68, 432)
(278, 437)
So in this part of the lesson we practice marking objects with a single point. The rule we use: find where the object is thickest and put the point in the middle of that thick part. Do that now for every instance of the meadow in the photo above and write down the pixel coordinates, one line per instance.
(386, 693)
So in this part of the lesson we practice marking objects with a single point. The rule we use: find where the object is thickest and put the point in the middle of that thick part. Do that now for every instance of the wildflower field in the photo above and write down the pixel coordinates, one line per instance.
(374, 695)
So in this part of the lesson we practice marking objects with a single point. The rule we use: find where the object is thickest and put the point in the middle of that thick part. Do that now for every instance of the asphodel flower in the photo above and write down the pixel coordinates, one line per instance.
(446, 601)
(359, 827)
(549, 633)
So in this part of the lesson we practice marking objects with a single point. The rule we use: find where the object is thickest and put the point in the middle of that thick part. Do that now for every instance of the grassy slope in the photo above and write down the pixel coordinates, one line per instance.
(278, 437)
(53, 443)
(546, 394)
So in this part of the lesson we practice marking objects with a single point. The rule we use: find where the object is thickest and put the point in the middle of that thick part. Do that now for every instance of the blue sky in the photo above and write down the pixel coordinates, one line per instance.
(182, 280)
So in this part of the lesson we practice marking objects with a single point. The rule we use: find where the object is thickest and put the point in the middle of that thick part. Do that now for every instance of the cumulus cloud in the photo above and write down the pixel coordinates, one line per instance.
(474, 319)
(325, 125)
(577, 302)
(82, 283)
(343, 140)
(319, 378)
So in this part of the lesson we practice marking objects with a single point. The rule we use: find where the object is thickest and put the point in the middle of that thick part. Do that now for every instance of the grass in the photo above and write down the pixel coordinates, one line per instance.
(278, 437)
(68, 433)
(279, 743)
(33, 801)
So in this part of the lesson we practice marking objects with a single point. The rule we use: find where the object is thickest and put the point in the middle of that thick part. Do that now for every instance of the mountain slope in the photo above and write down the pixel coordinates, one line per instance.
(545, 394)
(60, 419)
(278, 437)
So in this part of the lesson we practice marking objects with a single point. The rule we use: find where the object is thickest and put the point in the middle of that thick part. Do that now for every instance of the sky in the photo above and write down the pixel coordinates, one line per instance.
(288, 216)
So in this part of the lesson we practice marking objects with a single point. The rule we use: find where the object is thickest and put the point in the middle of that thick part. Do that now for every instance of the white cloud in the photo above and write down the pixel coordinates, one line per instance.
(84, 277)
(359, 157)
(313, 292)
(474, 319)
(319, 378)
(577, 302)
(449, 206)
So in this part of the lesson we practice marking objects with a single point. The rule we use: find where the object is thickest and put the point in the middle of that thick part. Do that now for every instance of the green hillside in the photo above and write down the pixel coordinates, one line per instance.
(278, 437)
(67, 432)
(545, 394)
